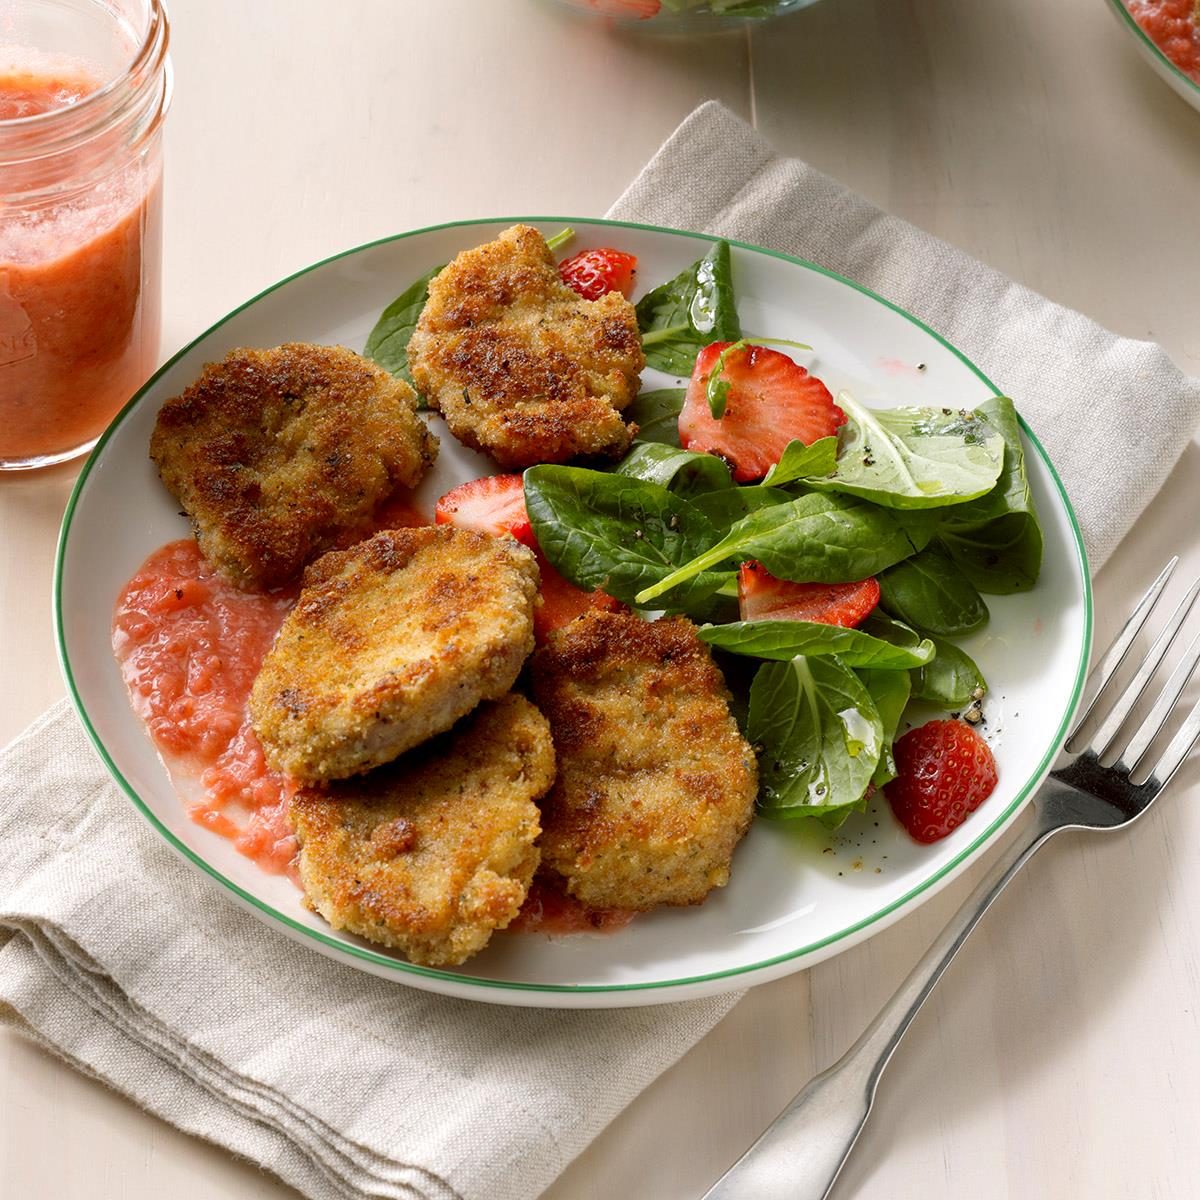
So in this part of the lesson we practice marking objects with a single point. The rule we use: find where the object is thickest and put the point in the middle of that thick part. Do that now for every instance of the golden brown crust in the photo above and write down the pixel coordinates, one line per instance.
(276, 454)
(435, 852)
(656, 785)
(391, 642)
(521, 366)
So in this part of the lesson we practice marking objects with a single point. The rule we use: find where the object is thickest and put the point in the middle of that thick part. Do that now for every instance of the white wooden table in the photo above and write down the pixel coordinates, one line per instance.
(1061, 1056)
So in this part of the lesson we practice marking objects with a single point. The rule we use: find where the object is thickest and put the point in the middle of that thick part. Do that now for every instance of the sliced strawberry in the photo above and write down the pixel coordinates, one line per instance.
(592, 273)
(494, 504)
(562, 601)
(641, 9)
(762, 597)
(944, 772)
(771, 401)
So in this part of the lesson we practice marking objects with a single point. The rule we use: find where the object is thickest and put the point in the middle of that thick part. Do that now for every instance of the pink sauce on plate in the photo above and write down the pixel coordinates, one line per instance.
(189, 645)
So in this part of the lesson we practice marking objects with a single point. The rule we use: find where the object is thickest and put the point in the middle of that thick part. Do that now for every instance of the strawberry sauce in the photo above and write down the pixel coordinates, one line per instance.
(79, 291)
(189, 645)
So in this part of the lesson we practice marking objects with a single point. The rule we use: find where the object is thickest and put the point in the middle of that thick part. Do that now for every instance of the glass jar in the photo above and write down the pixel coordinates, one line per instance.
(84, 87)
(686, 16)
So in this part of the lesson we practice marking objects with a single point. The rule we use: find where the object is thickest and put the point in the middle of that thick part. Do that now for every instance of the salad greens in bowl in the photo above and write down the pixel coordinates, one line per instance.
(682, 16)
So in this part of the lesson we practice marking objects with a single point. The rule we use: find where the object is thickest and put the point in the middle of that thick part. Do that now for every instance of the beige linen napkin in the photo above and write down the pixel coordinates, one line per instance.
(128, 963)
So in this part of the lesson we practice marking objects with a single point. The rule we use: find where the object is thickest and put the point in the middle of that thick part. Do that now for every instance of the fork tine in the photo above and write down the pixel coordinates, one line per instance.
(1156, 719)
(1180, 747)
(1107, 733)
(1115, 654)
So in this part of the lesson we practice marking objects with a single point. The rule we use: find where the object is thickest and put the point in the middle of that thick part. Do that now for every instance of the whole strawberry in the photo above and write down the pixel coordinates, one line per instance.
(944, 772)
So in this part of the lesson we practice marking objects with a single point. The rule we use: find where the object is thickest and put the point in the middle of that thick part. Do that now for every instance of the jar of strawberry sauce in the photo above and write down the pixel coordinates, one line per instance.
(84, 87)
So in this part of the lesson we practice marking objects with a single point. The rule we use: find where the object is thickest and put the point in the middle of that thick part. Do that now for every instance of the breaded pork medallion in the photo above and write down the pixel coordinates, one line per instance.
(434, 852)
(656, 785)
(277, 454)
(392, 641)
(521, 366)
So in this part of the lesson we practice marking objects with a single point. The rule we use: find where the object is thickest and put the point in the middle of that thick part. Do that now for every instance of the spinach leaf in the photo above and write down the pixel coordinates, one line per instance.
(997, 539)
(683, 316)
(930, 592)
(799, 461)
(609, 531)
(656, 414)
(915, 457)
(820, 737)
(816, 538)
(723, 509)
(387, 343)
(890, 690)
(885, 644)
(679, 471)
(950, 679)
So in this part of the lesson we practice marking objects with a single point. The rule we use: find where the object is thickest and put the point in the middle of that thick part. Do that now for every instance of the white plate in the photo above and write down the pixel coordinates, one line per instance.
(790, 903)
(1187, 87)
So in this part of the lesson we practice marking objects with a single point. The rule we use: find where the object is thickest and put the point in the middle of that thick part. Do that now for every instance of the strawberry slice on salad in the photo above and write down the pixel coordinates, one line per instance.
(769, 401)
(762, 597)
(496, 505)
(944, 772)
(594, 273)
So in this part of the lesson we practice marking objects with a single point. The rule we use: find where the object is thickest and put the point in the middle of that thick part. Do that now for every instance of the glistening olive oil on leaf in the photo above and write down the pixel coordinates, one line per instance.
(891, 691)
(679, 471)
(819, 737)
(915, 457)
(681, 317)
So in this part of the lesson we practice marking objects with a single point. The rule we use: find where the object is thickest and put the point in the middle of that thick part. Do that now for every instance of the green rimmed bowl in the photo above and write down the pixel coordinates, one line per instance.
(796, 896)
(1162, 66)
(686, 16)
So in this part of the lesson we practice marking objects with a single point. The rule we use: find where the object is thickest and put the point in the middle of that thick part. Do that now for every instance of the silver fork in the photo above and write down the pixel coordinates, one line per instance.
(802, 1151)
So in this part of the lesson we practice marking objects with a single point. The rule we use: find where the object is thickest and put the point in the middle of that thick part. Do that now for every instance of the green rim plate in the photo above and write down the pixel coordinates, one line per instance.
(401, 967)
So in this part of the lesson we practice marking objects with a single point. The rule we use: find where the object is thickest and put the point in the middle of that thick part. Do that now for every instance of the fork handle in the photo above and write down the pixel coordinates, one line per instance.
(799, 1155)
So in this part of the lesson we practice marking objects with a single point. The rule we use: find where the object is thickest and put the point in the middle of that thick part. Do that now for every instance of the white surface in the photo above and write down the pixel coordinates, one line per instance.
(1061, 1055)
(799, 898)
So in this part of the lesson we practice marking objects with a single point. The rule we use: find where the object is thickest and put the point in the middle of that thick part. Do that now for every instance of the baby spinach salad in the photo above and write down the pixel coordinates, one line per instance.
(933, 504)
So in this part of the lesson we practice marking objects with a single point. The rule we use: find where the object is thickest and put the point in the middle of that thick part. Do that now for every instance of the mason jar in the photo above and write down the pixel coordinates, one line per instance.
(84, 88)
